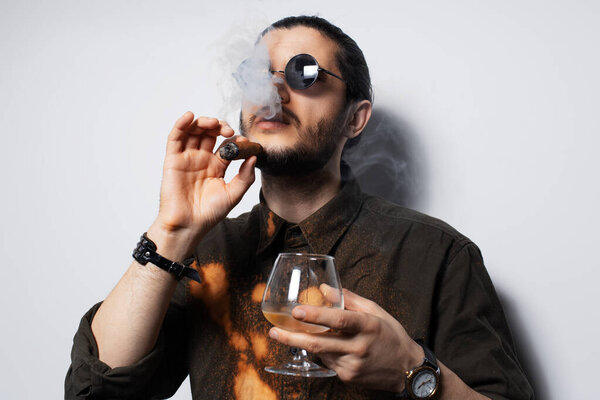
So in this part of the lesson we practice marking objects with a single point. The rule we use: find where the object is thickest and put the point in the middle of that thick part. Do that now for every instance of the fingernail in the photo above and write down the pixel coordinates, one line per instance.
(273, 334)
(298, 313)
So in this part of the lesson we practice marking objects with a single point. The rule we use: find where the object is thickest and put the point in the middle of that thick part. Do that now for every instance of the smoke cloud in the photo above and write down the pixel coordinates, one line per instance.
(243, 72)
(259, 93)
(387, 160)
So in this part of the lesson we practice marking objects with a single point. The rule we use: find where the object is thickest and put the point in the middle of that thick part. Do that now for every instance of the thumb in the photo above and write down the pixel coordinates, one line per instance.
(242, 181)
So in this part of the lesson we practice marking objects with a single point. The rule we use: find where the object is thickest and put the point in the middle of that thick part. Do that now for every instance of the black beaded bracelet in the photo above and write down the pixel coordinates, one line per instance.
(145, 252)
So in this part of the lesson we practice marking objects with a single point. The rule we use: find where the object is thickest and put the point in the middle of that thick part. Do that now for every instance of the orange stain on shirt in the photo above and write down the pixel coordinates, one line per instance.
(271, 224)
(248, 385)
(238, 341)
(257, 292)
(260, 346)
(214, 292)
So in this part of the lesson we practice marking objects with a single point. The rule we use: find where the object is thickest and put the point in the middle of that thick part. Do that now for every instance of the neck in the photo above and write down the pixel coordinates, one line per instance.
(295, 198)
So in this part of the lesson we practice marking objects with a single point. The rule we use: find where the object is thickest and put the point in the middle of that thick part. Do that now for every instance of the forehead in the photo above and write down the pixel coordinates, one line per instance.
(284, 44)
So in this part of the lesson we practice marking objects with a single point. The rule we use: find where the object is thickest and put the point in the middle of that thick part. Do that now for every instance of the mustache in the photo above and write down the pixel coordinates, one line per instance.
(293, 118)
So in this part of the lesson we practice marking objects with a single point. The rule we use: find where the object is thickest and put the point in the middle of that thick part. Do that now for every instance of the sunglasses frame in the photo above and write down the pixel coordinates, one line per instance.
(319, 69)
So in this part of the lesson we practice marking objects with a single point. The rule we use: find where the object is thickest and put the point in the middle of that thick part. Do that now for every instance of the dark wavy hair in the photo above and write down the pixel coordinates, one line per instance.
(350, 59)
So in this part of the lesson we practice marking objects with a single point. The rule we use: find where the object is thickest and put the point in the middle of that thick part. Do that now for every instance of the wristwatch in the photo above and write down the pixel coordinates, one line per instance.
(423, 382)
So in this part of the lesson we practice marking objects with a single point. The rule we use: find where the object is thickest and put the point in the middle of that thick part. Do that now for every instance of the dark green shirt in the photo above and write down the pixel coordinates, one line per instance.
(420, 270)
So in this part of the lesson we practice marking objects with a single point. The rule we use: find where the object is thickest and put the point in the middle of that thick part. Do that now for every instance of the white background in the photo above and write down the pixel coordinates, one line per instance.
(502, 98)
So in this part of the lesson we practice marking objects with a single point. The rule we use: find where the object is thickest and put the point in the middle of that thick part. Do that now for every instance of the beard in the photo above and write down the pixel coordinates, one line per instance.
(314, 149)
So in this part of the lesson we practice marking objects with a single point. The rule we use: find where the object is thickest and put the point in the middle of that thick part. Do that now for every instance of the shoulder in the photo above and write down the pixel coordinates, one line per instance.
(389, 213)
(393, 227)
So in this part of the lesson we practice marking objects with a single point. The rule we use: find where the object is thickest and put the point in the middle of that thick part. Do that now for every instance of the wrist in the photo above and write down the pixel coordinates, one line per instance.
(413, 357)
(176, 245)
(416, 355)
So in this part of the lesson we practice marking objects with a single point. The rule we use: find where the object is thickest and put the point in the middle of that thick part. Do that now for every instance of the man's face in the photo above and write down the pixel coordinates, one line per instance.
(309, 130)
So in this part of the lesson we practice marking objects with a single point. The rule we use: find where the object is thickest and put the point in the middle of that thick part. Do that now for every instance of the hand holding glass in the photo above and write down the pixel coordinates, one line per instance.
(301, 279)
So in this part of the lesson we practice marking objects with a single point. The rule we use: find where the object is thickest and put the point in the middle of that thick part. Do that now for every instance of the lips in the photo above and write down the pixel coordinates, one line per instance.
(276, 122)
(278, 118)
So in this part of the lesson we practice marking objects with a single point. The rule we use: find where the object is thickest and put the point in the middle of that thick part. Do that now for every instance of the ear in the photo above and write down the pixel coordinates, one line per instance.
(359, 118)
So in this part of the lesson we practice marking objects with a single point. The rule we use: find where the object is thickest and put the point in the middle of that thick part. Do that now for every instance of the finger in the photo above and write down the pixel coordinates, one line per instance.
(332, 360)
(194, 136)
(354, 302)
(331, 294)
(206, 122)
(234, 139)
(341, 320)
(211, 130)
(315, 344)
(220, 164)
(240, 183)
(176, 138)
(226, 129)
(211, 126)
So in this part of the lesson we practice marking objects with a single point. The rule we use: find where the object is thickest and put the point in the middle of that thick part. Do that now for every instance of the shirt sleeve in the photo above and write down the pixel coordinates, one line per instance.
(472, 337)
(156, 376)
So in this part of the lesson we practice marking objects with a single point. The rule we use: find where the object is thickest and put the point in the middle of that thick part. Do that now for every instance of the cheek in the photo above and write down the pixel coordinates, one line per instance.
(322, 106)
(313, 112)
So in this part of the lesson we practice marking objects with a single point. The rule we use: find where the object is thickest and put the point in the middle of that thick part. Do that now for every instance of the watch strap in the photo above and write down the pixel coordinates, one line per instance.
(429, 356)
(145, 252)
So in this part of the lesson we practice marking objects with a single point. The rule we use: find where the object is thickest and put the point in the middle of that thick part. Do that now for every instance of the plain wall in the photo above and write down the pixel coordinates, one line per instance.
(498, 103)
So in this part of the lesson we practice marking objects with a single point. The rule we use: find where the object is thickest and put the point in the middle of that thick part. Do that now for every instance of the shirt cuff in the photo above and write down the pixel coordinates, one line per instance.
(90, 377)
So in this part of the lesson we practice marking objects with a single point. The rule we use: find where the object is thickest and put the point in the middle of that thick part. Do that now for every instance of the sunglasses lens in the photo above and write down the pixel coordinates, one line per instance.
(301, 71)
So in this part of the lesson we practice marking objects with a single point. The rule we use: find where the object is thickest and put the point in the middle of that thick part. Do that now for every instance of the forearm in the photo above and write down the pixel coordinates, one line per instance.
(127, 324)
(453, 388)
(193, 198)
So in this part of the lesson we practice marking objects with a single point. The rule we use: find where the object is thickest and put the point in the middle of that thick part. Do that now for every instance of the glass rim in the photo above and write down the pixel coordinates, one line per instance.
(314, 255)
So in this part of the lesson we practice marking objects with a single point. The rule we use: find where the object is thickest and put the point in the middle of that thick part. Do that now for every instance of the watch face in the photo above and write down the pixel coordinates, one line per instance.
(424, 383)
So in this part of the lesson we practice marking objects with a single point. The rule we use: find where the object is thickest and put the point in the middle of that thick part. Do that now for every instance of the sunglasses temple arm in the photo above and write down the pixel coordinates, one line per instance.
(332, 74)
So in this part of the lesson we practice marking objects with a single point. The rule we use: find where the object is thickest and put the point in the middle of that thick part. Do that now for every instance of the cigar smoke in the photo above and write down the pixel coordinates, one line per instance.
(259, 92)
(242, 72)
(387, 160)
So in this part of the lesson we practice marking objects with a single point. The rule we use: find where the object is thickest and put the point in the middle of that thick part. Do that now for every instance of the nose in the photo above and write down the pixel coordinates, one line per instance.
(282, 88)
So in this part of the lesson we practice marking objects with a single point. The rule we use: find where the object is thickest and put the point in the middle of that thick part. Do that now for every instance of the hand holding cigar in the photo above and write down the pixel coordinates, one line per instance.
(240, 150)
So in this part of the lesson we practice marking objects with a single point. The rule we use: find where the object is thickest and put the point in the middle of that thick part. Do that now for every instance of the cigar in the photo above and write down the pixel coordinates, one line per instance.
(241, 150)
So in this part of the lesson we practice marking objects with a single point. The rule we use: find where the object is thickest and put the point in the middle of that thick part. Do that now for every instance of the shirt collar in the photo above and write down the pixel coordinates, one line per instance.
(323, 228)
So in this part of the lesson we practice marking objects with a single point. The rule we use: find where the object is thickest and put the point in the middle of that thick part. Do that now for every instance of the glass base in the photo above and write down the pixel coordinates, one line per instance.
(301, 366)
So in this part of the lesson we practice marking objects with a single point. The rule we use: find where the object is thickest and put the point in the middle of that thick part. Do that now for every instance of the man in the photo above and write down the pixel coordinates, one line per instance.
(410, 276)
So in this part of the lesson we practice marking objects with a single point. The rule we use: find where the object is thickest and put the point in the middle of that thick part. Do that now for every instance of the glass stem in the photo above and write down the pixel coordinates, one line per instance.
(300, 355)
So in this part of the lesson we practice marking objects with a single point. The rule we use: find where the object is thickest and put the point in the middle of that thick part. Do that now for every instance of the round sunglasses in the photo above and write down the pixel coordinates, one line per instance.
(301, 72)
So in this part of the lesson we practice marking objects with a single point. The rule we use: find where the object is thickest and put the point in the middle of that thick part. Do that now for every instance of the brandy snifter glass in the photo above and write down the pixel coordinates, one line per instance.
(301, 279)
